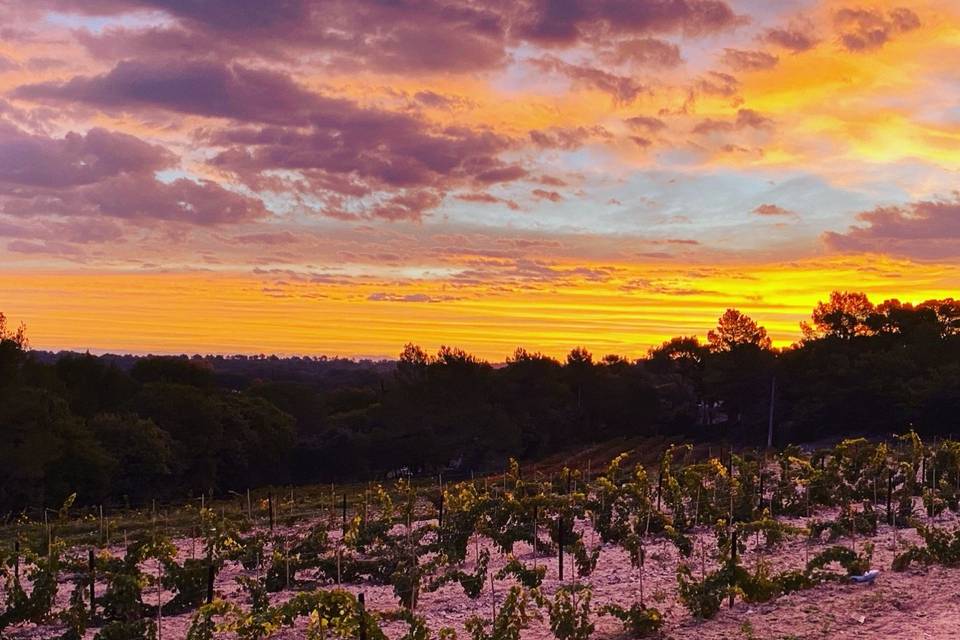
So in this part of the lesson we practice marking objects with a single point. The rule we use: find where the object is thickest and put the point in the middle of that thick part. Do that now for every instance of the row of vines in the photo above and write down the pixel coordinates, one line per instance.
(298, 575)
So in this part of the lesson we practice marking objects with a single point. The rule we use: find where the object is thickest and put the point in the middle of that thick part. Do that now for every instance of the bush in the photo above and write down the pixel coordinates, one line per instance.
(638, 620)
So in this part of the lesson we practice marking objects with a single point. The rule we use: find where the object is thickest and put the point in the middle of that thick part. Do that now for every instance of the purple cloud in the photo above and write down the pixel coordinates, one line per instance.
(925, 229)
(552, 22)
(196, 87)
(103, 173)
(746, 119)
(793, 38)
(868, 29)
(740, 60)
(338, 148)
(622, 89)
(76, 159)
(647, 52)
(645, 123)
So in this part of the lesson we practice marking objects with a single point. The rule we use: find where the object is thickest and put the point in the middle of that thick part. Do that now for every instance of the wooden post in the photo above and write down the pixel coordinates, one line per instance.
(889, 497)
(362, 607)
(760, 501)
(535, 510)
(733, 563)
(440, 514)
(659, 487)
(16, 560)
(211, 575)
(286, 562)
(270, 507)
(159, 606)
(249, 506)
(344, 512)
(731, 485)
(93, 583)
(560, 545)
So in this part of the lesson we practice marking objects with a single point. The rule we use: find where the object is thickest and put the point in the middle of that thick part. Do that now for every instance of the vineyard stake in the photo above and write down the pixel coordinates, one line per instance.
(93, 582)
(560, 544)
(362, 606)
(731, 486)
(16, 560)
(889, 496)
(440, 514)
(159, 608)
(270, 507)
(286, 561)
(696, 511)
(535, 510)
(659, 487)
(760, 498)
(343, 508)
(210, 577)
(493, 599)
(733, 564)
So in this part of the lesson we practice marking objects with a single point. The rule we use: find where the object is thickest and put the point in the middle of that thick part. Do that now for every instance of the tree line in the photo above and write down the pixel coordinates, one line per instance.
(145, 428)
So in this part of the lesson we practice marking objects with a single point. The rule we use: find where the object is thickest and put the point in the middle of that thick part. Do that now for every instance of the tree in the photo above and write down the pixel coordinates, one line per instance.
(685, 352)
(174, 370)
(844, 316)
(143, 453)
(735, 329)
(580, 370)
(91, 385)
(948, 315)
(13, 345)
(412, 365)
(18, 337)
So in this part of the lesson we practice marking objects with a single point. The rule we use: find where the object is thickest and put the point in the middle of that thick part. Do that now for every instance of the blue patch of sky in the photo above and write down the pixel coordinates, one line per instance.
(97, 24)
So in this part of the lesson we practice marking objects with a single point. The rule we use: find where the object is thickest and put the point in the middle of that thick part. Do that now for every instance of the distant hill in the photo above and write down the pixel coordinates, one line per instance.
(241, 371)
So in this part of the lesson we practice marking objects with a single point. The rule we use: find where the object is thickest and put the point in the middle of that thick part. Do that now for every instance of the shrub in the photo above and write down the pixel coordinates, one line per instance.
(638, 620)
(530, 578)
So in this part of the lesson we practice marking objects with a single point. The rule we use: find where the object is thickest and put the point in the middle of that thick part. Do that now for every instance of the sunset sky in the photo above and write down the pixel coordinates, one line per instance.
(342, 177)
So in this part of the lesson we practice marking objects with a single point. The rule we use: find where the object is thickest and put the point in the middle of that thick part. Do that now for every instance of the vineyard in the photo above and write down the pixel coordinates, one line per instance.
(738, 544)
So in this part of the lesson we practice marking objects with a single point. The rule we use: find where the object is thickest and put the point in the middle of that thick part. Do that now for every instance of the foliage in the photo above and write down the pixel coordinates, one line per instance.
(36, 606)
(570, 613)
(142, 629)
(586, 559)
(849, 522)
(854, 563)
(528, 577)
(940, 547)
(638, 620)
(417, 627)
(702, 597)
(335, 612)
(472, 583)
(513, 617)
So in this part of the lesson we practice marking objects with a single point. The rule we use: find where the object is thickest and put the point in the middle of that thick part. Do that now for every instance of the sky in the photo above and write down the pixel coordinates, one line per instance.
(343, 177)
